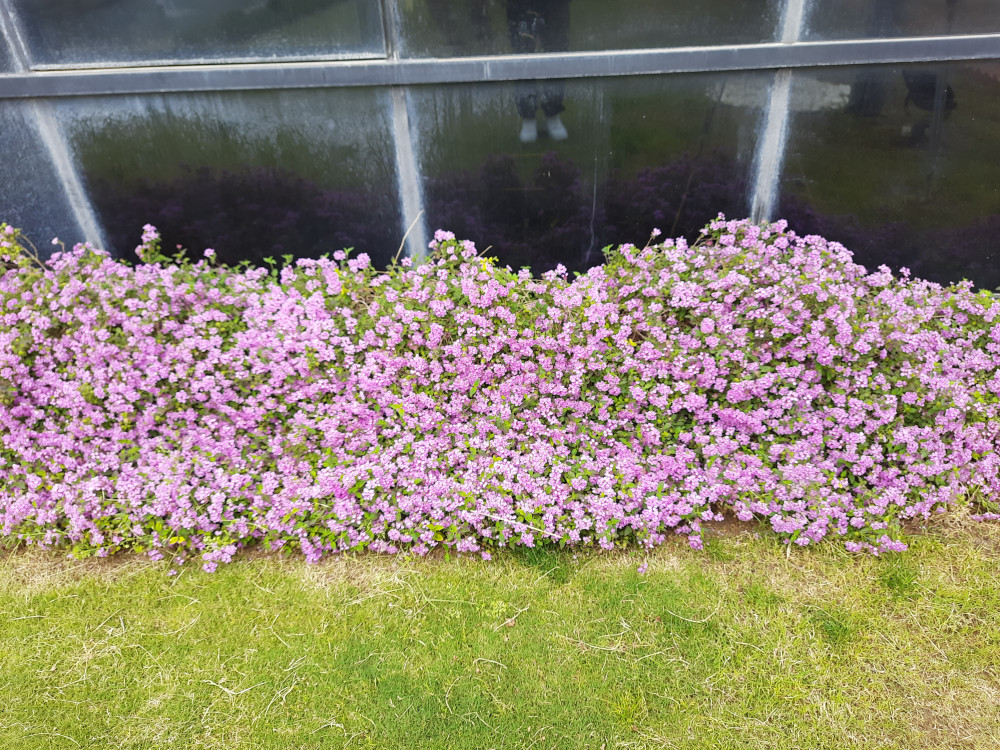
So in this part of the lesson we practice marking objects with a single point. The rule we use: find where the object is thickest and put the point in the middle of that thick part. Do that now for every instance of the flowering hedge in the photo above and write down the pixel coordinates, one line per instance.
(196, 409)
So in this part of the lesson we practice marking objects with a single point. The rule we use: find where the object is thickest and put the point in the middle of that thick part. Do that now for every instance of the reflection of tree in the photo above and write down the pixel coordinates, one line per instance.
(554, 217)
(678, 198)
(943, 255)
(242, 24)
(539, 223)
(168, 29)
(248, 215)
(464, 24)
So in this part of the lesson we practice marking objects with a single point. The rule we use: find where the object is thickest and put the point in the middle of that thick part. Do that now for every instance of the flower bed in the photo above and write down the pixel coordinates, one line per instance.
(194, 409)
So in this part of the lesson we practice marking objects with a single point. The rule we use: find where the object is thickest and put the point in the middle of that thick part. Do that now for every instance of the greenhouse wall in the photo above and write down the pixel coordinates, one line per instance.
(542, 129)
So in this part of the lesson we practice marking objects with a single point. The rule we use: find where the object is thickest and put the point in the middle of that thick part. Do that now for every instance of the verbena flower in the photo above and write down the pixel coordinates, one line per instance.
(195, 410)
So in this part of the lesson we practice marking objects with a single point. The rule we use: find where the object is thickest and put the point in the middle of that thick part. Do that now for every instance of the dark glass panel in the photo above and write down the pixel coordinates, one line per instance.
(32, 197)
(95, 32)
(446, 28)
(849, 19)
(6, 64)
(252, 175)
(906, 172)
(641, 153)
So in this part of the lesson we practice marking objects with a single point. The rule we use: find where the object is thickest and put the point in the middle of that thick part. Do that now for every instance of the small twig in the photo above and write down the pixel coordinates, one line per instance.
(509, 622)
(655, 653)
(447, 693)
(407, 234)
(52, 734)
(502, 666)
(232, 692)
(544, 574)
(373, 653)
(589, 645)
(377, 593)
(741, 643)
(283, 695)
(184, 628)
(696, 622)
(330, 723)
(295, 663)
(108, 618)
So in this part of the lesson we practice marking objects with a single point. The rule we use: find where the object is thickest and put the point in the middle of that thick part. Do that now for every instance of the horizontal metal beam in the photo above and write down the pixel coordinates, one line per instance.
(406, 72)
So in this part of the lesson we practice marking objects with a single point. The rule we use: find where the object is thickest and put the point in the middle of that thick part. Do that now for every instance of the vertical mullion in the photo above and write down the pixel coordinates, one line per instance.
(409, 179)
(774, 138)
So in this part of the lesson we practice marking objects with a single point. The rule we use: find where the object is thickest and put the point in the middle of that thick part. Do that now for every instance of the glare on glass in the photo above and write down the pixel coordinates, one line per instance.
(32, 192)
(251, 175)
(95, 32)
(901, 165)
(444, 28)
(604, 162)
(848, 19)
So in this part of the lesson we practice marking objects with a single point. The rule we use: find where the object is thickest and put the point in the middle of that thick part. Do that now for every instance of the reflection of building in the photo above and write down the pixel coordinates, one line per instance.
(807, 94)
(196, 10)
(876, 136)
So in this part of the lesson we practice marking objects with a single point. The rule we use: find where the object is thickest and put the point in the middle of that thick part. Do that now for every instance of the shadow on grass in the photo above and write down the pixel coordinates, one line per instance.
(557, 565)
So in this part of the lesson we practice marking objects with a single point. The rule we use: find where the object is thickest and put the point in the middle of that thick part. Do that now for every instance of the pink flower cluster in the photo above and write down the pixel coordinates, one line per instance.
(194, 410)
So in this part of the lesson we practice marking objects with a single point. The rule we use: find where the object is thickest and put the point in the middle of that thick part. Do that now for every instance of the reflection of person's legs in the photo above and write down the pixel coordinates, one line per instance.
(555, 39)
(522, 24)
(536, 26)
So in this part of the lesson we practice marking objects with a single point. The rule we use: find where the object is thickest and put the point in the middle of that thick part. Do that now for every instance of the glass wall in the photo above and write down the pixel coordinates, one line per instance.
(250, 174)
(32, 193)
(336, 122)
(6, 64)
(445, 28)
(906, 172)
(850, 19)
(668, 152)
(103, 32)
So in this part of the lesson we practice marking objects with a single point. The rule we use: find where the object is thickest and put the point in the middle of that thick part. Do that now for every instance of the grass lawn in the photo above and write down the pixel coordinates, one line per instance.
(747, 645)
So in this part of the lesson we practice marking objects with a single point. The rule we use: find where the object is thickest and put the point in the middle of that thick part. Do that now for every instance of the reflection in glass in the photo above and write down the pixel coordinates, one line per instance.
(907, 172)
(252, 175)
(539, 26)
(62, 32)
(447, 28)
(31, 191)
(644, 153)
(6, 64)
(849, 19)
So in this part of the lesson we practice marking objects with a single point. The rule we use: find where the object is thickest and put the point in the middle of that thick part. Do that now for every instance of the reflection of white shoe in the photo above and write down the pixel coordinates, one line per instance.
(557, 131)
(529, 131)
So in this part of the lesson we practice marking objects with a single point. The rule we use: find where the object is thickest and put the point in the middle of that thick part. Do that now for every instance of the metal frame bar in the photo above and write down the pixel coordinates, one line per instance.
(408, 72)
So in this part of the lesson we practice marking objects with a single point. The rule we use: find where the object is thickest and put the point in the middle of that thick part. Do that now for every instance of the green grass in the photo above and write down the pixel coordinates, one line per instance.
(748, 644)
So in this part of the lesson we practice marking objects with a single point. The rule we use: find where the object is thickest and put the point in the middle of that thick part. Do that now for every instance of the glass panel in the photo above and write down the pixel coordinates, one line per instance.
(444, 28)
(906, 172)
(31, 193)
(252, 175)
(6, 64)
(67, 32)
(635, 154)
(849, 19)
